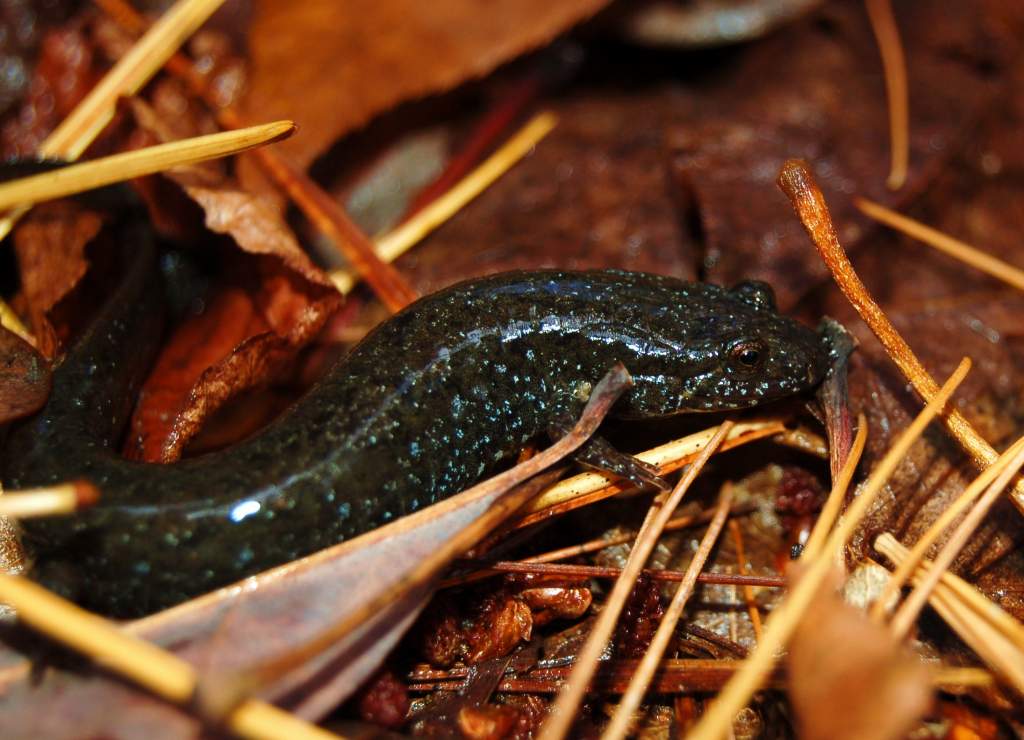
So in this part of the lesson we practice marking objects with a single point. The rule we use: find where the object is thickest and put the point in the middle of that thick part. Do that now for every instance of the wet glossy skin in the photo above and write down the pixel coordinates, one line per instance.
(428, 404)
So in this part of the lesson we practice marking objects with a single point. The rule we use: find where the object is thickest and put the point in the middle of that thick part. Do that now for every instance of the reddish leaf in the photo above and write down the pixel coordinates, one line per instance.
(247, 336)
(171, 402)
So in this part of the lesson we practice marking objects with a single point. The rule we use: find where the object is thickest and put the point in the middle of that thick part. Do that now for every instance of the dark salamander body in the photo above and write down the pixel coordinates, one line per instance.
(428, 404)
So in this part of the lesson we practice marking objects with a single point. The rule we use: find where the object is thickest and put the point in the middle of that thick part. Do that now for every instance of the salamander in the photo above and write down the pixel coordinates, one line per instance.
(430, 402)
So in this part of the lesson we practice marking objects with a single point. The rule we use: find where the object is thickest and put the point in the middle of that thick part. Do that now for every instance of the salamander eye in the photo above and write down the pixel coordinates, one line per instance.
(747, 354)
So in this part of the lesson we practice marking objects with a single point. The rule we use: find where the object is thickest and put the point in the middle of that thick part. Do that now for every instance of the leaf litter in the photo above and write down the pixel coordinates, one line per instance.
(714, 212)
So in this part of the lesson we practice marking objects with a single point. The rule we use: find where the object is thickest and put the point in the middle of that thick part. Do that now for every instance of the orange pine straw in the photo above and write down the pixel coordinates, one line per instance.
(891, 49)
(955, 248)
(741, 564)
(322, 210)
(600, 543)
(993, 634)
(796, 182)
(587, 488)
(907, 614)
(132, 71)
(939, 526)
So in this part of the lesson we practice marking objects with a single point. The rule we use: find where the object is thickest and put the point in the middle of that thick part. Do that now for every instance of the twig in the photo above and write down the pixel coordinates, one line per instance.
(331, 220)
(907, 614)
(398, 241)
(830, 511)
(127, 77)
(741, 566)
(66, 498)
(600, 543)
(563, 712)
(891, 49)
(798, 184)
(677, 675)
(77, 178)
(162, 673)
(955, 248)
(638, 685)
(784, 620)
(597, 571)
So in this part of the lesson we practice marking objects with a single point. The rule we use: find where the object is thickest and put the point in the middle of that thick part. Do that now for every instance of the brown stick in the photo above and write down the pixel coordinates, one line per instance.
(597, 571)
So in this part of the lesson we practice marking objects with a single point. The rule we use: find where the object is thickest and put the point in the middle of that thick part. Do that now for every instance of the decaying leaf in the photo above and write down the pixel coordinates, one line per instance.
(210, 357)
(662, 162)
(596, 193)
(946, 311)
(754, 121)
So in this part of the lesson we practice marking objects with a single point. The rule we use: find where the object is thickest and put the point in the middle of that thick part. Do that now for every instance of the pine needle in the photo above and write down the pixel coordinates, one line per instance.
(96, 173)
(797, 183)
(563, 711)
(397, 242)
(887, 34)
(619, 726)
(132, 71)
(946, 244)
(717, 720)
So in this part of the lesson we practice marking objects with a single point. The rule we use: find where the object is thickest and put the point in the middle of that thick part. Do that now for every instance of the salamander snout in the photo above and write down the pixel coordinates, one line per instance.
(779, 357)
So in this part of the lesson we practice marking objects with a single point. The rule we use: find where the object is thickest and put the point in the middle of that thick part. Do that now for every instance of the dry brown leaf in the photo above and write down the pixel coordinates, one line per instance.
(331, 67)
(50, 245)
(850, 679)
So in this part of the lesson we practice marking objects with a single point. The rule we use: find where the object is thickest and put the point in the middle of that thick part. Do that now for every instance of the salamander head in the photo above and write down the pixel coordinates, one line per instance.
(741, 354)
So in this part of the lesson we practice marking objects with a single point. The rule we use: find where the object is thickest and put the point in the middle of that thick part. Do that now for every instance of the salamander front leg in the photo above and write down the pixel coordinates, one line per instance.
(598, 454)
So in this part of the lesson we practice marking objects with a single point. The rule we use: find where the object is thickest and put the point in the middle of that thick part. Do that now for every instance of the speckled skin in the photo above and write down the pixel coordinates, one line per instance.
(428, 404)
